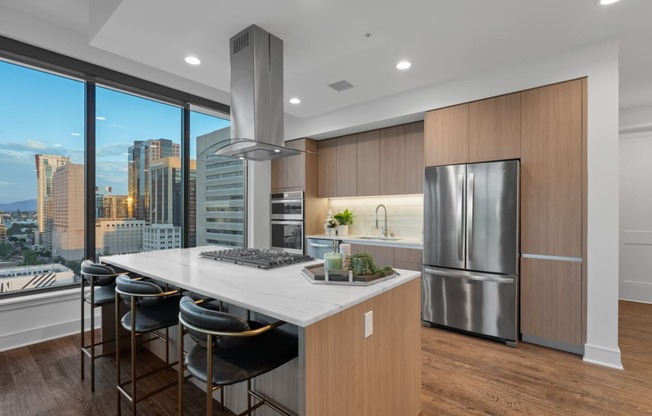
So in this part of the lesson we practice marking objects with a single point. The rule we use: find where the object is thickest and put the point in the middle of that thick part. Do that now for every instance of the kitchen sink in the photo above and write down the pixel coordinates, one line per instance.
(366, 237)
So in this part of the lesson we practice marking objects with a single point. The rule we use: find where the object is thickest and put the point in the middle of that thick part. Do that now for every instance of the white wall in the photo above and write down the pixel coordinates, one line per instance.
(599, 63)
(636, 216)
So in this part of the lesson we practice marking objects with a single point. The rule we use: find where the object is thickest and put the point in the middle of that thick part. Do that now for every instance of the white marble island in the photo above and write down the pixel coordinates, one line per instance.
(339, 370)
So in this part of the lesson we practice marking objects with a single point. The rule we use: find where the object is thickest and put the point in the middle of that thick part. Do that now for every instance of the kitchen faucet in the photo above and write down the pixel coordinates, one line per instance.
(384, 229)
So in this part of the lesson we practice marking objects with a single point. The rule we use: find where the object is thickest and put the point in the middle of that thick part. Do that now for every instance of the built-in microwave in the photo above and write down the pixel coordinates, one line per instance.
(287, 206)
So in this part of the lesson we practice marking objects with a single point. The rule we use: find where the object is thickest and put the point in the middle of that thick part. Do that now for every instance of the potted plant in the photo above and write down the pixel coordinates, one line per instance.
(345, 219)
(331, 225)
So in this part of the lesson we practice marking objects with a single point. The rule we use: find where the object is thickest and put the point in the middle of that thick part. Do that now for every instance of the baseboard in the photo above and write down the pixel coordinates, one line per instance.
(606, 357)
(636, 291)
(45, 333)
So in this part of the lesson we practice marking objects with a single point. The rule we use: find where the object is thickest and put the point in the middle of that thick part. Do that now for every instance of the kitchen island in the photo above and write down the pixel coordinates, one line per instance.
(339, 371)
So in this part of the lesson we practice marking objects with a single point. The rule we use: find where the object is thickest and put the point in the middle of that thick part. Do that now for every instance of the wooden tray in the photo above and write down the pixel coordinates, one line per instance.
(317, 275)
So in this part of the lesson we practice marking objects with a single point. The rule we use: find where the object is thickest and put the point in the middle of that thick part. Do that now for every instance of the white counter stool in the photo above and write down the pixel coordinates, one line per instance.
(230, 350)
(101, 280)
(151, 308)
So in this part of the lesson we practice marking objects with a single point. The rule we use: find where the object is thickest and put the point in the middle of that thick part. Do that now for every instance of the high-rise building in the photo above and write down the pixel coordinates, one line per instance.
(141, 155)
(220, 193)
(165, 192)
(161, 237)
(67, 212)
(112, 206)
(3, 233)
(46, 165)
(119, 236)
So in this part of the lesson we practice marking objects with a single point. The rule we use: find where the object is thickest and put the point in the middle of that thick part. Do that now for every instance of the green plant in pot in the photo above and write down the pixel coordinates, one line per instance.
(362, 264)
(345, 218)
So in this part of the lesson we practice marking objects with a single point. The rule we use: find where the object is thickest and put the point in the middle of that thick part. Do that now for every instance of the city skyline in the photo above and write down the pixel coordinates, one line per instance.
(43, 113)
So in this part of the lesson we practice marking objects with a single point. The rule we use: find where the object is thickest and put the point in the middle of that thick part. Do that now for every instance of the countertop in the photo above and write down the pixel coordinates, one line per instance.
(281, 293)
(402, 242)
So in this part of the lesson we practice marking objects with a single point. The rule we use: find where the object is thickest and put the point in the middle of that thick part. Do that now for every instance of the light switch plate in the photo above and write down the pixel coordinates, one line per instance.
(368, 324)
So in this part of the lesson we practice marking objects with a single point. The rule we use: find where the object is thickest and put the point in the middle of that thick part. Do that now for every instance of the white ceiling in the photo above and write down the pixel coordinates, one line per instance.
(325, 40)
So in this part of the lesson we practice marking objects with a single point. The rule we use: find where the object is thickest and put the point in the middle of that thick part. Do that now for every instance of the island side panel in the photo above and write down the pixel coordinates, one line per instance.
(348, 374)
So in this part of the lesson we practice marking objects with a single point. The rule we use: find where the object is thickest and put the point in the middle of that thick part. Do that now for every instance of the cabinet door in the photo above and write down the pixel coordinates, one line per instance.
(495, 129)
(346, 176)
(295, 171)
(392, 161)
(368, 163)
(327, 167)
(551, 300)
(383, 256)
(551, 170)
(279, 173)
(414, 158)
(446, 134)
(408, 258)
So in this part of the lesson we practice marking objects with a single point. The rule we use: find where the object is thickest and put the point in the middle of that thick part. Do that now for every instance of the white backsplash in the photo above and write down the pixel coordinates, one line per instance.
(404, 214)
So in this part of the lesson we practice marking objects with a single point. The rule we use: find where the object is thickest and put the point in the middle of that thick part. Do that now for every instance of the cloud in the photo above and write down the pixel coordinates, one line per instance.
(115, 149)
(29, 148)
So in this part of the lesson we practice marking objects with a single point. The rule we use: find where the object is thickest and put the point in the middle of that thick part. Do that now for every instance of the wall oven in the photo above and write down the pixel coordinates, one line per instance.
(286, 217)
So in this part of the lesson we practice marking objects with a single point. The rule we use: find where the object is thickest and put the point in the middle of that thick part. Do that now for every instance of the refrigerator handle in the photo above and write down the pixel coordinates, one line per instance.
(469, 217)
(460, 219)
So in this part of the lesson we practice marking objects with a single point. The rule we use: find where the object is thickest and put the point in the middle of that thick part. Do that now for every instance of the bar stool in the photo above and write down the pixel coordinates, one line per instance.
(230, 350)
(151, 308)
(101, 279)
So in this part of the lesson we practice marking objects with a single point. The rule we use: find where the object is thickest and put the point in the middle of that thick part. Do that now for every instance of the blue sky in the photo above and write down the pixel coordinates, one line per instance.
(44, 113)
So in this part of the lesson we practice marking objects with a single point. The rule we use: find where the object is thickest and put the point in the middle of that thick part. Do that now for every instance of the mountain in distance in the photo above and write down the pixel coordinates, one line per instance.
(28, 205)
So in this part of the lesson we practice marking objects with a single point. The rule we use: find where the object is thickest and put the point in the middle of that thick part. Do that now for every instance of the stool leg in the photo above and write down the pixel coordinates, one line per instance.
(92, 337)
(81, 349)
(117, 353)
(133, 356)
(249, 401)
(209, 378)
(180, 367)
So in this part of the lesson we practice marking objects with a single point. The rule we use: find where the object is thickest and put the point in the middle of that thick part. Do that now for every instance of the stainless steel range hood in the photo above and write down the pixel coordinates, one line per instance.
(256, 97)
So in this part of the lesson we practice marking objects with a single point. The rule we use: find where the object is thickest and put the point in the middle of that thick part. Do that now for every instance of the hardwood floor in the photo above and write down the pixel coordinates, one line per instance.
(461, 376)
(468, 376)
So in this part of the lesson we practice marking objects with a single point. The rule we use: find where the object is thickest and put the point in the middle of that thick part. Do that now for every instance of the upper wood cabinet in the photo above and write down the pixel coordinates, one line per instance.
(378, 162)
(414, 158)
(446, 136)
(392, 161)
(346, 160)
(290, 172)
(326, 168)
(551, 170)
(368, 163)
(495, 128)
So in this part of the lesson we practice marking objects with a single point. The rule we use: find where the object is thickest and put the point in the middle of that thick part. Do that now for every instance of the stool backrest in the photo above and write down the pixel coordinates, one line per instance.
(212, 320)
(129, 287)
(101, 274)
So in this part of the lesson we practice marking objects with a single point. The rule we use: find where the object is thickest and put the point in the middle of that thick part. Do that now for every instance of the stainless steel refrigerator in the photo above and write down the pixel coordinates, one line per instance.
(470, 279)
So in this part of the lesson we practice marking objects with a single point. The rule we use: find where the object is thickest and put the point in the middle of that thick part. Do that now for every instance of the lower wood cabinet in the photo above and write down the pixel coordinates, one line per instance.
(400, 258)
(551, 303)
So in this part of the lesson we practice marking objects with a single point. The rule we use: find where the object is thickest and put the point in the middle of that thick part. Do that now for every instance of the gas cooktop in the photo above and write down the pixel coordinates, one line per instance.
(253, 257)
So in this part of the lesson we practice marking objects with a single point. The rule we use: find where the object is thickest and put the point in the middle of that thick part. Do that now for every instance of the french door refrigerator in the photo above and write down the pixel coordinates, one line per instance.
(470, 279)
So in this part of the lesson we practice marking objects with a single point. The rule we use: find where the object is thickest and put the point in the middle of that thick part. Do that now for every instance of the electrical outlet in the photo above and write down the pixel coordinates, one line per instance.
(368, 324)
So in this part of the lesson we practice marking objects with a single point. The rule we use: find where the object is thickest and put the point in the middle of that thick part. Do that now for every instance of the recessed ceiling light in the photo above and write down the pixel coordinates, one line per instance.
(403, 65)
(605, 2)
(277, 151)
(241, 158)
(193, 60)
(295, 100)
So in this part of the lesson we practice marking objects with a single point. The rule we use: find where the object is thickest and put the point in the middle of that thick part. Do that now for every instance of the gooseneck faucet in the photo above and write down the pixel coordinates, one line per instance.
(384, 229)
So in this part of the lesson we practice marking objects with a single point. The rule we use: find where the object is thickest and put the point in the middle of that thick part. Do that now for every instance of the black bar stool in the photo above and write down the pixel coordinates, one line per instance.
(230, 350)
(151, 308)
(101, 280)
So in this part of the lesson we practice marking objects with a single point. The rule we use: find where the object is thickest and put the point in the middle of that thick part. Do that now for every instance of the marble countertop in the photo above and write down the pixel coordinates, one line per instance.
(281, 293)
(401, 242)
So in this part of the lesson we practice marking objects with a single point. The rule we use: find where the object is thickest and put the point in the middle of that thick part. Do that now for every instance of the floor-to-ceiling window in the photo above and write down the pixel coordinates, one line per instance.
(220, 185)
(138, 174)
(41, 179)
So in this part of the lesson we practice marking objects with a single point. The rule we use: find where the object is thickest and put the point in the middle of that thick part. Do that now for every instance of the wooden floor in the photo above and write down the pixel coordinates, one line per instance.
(461, 376)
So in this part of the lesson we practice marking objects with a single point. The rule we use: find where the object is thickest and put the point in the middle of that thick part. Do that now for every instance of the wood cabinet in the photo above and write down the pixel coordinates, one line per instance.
(414, 158)
(495, 129)
(289, 173)
(408, 258)
(551, 170)
(326, 168)
(446, 136)
(392, 161)
(368, 166)
(551, 307)
(346, 159)
(377, 162)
